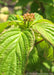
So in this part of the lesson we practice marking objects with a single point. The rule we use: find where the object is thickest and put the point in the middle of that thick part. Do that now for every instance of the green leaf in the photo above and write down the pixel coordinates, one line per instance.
(52, 69)
(12, 17)
(44, 48)
(46, 65)
(50, 54)
(46, 29)
(15, 46)
(12, 20)
(8, 23)
(33, 59)
(3, 26)
(37, 18)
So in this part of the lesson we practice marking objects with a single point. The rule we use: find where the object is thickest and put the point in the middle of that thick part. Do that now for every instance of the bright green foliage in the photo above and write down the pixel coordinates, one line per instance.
(46, 29)
(47, 66)
(50, 53)
(20, 46)
(15, 47)
(38, 62)
(6, 24)
(52, 68)
(44, 49)
(12, 17)
(43, 54)
(12, 20)
(33, 55)
(37, 17)
(33, 59)
(3, 26)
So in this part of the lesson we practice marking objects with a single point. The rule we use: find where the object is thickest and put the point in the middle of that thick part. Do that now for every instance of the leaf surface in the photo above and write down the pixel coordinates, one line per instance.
(46, 29)
(15, 46)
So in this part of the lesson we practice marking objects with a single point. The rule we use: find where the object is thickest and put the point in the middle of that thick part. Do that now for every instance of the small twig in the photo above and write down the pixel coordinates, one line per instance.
(39, 41)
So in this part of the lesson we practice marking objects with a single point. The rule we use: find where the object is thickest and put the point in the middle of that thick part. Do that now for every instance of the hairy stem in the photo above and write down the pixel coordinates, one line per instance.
(39, 42)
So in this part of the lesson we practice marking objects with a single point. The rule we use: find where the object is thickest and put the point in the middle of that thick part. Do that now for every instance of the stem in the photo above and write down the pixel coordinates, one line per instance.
(39, 42)
(28, 24)
(53, 53)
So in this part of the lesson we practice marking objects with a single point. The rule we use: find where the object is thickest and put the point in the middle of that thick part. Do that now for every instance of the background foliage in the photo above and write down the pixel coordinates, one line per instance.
(42, 7)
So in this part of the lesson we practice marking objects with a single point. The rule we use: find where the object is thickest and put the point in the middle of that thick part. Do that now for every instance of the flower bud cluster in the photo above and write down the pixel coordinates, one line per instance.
(29, 16)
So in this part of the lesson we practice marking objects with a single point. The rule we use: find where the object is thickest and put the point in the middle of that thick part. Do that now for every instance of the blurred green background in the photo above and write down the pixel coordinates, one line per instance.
(43, 7)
